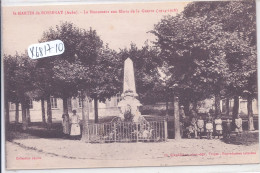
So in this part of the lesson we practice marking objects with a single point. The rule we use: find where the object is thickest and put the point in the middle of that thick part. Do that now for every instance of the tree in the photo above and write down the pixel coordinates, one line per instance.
(56, 76)
(9, 87)
(24, 84)
(196, 68)
(98, 63)
(240, 47)
(163, 86)
(147, 77)
(100, 66)
(200, 43)
(106, 79)
(177, 134)
(61, 69)
(44, 82)
(82, 70)
(243, 59)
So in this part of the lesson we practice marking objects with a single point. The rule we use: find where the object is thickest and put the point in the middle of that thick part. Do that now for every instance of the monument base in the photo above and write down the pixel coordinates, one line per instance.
(129, 107)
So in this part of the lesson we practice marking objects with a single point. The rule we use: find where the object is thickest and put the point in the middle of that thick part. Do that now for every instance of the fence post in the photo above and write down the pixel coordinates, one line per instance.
(88, 132)
(137, 132)
(165, 130)
(115, 128)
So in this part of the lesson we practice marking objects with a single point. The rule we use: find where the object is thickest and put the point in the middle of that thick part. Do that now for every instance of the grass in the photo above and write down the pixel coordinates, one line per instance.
(246, 138)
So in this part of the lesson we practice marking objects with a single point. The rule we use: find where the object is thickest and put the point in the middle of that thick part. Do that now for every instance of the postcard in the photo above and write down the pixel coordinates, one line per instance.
(130, 84)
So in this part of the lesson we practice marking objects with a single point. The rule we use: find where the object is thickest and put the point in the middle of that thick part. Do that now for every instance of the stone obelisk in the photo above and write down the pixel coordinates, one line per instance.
(129, 77)
(129, 100)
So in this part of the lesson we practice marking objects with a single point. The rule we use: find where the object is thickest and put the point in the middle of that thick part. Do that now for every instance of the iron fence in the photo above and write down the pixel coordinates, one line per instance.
(153, 131)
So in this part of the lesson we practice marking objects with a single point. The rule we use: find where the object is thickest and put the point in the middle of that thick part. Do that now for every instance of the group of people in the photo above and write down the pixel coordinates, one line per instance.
(196, 126)
(71, 125)
(190, 125)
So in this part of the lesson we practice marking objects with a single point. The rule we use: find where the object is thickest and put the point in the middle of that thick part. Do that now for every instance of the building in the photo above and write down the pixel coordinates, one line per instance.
(206, 105)
(109, 108)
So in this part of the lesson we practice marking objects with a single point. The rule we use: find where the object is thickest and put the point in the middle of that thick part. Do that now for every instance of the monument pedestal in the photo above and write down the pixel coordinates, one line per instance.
(129, 105)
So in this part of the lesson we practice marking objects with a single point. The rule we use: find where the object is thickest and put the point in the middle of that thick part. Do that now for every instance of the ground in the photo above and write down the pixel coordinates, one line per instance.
(40, 148)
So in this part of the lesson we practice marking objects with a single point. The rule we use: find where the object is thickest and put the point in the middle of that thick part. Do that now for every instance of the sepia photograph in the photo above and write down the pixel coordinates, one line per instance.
(130, 84)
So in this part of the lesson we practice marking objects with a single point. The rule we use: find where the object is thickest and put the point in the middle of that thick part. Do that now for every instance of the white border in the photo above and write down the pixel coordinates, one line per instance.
(182, 169)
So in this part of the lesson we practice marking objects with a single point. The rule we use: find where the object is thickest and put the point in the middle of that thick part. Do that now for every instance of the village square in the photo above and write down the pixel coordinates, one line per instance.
(187, 97)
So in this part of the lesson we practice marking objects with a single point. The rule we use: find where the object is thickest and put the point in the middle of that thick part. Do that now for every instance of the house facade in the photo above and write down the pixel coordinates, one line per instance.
(110, 108)
(208, 104)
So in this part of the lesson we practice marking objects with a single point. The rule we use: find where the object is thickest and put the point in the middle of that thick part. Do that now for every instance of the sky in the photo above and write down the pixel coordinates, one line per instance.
(118, 30)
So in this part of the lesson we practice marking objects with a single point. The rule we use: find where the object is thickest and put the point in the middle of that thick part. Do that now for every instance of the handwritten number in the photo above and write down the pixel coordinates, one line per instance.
(31, 49)
(46, 49)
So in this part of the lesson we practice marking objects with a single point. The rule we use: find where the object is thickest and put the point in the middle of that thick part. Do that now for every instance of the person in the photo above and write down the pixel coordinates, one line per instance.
(193, 127)
(209, 126)
(200, 125)
(128, 113)
(228, 130)
(218, 123)
(75, 127)
(65, 125)
(238, 123)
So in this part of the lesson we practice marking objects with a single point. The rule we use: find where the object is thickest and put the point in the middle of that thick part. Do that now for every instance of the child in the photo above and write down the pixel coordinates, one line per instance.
(200, 125)
(228, 130)
(238, 123)
(219, 128)
(65, 125)
(209, 126)
(193, 128)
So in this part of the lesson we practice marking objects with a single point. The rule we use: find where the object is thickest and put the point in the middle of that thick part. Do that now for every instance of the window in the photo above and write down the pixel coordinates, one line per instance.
(11, 106)
(243, 107)
(53, 103)
(112, 102)
(108, 103)
(231, 105)
(31, 104)
(80, 102)
(91, 106)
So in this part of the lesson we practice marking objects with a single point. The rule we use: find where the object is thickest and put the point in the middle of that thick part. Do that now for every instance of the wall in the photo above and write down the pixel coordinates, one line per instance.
(109, 108)
(36, 112)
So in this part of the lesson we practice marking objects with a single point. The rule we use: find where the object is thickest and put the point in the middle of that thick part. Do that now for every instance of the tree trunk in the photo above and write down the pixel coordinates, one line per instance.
(217, 104)
(250, 114)
(17, 112)
(69, 105)
(235, 110)
(49, 113)
(177, 133)
(28, 114)
(186, 105)
(85, 117)
(96, 109)
(227, 106)
(65, 105)
(43, 111)
(24, 117)
(167, 106)
(7, 115)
